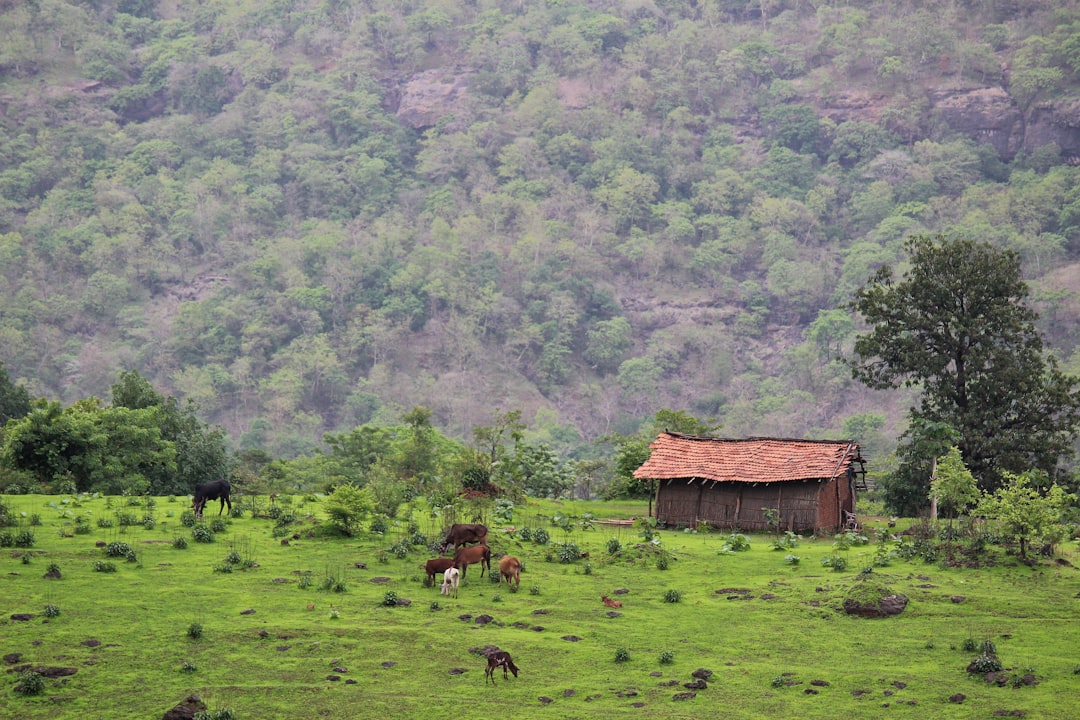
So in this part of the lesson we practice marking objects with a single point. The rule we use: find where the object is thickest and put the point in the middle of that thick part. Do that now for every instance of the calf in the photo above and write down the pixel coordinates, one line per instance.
(610, 603)
(510, 569)
(496, 660)
(450, 581)
(435, 566)
(466, 556)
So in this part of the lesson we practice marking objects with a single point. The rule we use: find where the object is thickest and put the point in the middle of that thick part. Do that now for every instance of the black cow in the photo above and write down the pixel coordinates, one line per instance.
(461, 534)
(216, 490)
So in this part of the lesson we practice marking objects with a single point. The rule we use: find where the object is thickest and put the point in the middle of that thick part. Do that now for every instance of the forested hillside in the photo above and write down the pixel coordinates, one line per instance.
(307, 215)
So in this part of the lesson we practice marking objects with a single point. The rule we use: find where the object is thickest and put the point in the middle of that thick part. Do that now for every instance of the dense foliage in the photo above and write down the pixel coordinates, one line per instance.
(629, 207)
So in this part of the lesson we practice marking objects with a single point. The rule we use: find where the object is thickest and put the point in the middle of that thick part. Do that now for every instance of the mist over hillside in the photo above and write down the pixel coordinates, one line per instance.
(307, 215)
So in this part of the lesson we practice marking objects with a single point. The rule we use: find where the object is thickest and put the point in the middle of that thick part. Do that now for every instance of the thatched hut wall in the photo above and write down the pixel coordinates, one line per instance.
(739, 506)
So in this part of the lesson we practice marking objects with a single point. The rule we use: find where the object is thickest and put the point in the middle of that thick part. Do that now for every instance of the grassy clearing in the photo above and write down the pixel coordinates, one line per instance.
(769, 629)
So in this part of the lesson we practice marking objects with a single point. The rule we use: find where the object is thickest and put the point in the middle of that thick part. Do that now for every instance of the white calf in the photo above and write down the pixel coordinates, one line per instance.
(450, 581)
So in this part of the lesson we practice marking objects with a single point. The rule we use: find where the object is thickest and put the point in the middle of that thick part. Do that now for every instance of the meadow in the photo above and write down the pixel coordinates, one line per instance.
(274, 618)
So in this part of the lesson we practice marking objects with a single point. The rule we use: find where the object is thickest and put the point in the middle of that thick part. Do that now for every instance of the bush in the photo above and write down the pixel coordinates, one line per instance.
(667, 657)
(187, 518)
(195, 631)
(568, 552)
(189, 667)
(179, 543)
(672, 596)
(202, 534)
(30, 683)
(622, 655)
(118, 550)
(24, 539)
(662, 562)
(218, 525)
(390, 599)
(613, 546)
(52, 611)
(985, 663)
(736, 542)
(104, 566)
(540, 536)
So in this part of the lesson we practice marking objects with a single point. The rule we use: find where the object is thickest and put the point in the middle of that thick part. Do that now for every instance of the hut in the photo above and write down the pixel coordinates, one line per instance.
(728, 484)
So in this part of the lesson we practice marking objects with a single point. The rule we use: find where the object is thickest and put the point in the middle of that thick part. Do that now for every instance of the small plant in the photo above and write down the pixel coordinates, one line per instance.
(306, 580)
(988, 647)
(222, 714)
(613, 546)
(622, 655)
(540, 536)
(189, 667)
(104, 566)
(30, 683)
(672, 596)
(195, 631)
(662, 561)
(390, 598)
(525, 534)
(179, 543)
(35, 520)
(104, 522)
(568, 552)
(202, 534)
(223, 568)
(24, 539)
(233, 558)
(837, 562)
(792, 559)
(187, 518)
(985, 663)
(667, 657)
(736, 542)
(435, 605)
(969, 645)
(534, 590)
(26, 559)
(51, 611)
(587, 569)
(218, 525)
(496, 598)
(53, 569)
(334, 613)
(930, 645)
(118, 549)
(148, 522)
(778, 681)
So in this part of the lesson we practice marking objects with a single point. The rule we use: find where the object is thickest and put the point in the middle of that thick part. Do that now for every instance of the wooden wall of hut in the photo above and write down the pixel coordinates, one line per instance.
(739, 506)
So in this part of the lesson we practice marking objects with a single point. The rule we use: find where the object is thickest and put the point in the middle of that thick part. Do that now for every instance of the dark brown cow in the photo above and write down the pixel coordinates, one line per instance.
(496, 660)
(463, 534)
(467, 556)
(215, 490)
(435, 566)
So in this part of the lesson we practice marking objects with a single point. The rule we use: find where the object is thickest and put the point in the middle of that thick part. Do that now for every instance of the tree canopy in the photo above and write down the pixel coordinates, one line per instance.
(956, 326)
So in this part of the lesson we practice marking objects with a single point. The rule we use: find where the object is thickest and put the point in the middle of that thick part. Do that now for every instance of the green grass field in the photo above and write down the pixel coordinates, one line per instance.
(275, 645)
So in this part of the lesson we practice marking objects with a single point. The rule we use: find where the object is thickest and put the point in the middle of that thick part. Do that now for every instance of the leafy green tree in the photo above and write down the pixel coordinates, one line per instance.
(14, 399)
(538, 472)
(1025, 514)
(953, 486)
(348, 507)
(956, 325)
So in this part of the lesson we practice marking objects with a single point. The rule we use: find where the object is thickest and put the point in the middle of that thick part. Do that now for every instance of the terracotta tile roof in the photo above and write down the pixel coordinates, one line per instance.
(750, 460)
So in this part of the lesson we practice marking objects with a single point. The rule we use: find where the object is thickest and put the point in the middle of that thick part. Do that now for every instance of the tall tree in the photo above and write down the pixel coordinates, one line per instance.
(957, 327)
(14, 399)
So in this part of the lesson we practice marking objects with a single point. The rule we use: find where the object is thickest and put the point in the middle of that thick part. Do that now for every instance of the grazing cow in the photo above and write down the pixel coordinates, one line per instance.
(461, 534)
(496, 660)
(435, 566)
(216, 490)
(610, 603)
(510, 568)
(466, 556)
(450, 581)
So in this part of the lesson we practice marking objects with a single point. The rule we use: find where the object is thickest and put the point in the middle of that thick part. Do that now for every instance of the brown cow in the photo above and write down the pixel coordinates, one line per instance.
(435, 566)
(462, 534)
(496, 660)
(610, 603)
(510, 568)
(466, 556)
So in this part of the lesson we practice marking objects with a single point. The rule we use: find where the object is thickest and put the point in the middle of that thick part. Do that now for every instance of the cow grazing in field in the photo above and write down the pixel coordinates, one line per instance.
(435, 566)
(609, 602)
(216, 490)
(467, 556)
(463, 534)
(510, 569)
(451, 578)
(496, 660)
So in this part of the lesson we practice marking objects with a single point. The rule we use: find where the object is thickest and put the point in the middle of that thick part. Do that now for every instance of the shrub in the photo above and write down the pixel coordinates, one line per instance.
(51, 611)
(837, 562)
(622, 655)
(30, 683)
(969, 645)
(179, 542)
(53, 568)
(525, 534)
(792, 559)
(390, 598)
(435, 605)
(568, 552)
(667, 657)
(534, 590)
(736, 542)
(148, 522)
(988, 647)
(187, 518)
(189, 667)
(233, 558)
(223, 568)
(672, 596)
(104, 566)
(985, 663)
(35, 520)
(222, 714)
(118, 549)
(662, 562)
(24, 539)
(195, 631)
(613, 546)
(202, 534)
(540, 536)
(217, 525)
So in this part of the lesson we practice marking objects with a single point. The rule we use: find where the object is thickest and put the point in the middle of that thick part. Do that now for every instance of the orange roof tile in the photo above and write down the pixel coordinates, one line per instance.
(750, 460)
